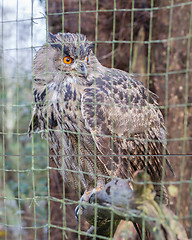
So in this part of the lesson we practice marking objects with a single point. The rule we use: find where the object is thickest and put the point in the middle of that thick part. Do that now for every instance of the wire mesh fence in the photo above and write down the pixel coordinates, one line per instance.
(146, 38)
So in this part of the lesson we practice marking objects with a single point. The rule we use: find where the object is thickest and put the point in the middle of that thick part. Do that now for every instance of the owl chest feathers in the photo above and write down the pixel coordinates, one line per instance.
(59, 105)
(68, 135)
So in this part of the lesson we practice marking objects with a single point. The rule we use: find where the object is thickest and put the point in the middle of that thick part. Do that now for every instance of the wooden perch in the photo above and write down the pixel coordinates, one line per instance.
(117, 199)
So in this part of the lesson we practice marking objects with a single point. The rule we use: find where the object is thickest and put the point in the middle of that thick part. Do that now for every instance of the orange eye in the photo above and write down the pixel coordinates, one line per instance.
(67, 60)
(87, 59)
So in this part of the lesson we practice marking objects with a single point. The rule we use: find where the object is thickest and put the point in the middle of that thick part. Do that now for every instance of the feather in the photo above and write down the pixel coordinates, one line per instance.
(99, 125)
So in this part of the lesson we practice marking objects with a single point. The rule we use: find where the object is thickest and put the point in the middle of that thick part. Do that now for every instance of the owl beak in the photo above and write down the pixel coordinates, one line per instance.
(82, 70)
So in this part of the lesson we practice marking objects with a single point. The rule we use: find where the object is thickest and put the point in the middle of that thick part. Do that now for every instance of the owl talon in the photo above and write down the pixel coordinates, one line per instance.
(91, 195)
(77, 213)
(79, 209)
(86, 198)
(93, 192)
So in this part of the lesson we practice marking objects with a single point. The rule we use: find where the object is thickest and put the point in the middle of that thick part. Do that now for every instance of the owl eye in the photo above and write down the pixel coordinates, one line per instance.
(67, 60)
(87, 58)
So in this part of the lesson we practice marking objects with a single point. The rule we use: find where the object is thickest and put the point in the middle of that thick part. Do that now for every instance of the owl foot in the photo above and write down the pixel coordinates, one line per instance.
(85, 200)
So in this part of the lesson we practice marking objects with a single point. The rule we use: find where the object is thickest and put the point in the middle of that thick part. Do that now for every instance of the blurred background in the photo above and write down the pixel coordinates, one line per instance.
(151, 39)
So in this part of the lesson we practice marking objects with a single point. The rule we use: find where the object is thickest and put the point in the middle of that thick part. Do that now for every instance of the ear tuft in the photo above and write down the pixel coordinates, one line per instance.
(54, 41)
(90, 46)
(52, 38)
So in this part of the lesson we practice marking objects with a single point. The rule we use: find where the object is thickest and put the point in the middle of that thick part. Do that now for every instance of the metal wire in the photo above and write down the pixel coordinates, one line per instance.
(26, 199)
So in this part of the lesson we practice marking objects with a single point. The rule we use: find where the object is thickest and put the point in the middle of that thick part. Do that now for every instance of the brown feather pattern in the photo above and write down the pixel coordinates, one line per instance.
(104, 124)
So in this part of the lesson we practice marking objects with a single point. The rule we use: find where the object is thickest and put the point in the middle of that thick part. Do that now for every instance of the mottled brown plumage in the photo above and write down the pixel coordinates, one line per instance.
(99, 122)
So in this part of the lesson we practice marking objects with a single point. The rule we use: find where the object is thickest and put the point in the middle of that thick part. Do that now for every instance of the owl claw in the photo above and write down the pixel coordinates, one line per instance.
(77, 213)
(91, 195)
(86, 198)
(93, 192)
(79, 209)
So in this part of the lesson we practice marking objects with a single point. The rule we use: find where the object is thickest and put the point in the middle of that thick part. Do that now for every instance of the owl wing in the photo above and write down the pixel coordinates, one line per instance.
(126, 124)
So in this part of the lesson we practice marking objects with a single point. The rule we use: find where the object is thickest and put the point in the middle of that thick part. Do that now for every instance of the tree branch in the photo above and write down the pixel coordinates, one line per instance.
(118, 201)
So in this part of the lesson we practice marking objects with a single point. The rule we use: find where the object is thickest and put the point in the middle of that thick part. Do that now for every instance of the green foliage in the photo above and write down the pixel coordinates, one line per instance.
(23, 160)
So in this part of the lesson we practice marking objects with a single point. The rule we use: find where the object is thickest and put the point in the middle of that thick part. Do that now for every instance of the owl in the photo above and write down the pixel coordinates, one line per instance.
(100, 122)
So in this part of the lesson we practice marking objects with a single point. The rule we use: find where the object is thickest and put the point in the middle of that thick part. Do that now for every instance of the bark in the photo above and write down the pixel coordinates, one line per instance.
(117, 199)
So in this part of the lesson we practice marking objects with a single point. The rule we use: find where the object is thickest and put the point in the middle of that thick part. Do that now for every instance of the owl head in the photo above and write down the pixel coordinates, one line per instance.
(66, 54)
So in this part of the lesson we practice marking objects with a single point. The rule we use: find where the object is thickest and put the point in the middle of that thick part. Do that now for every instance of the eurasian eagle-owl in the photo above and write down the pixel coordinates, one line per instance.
(99, 122)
